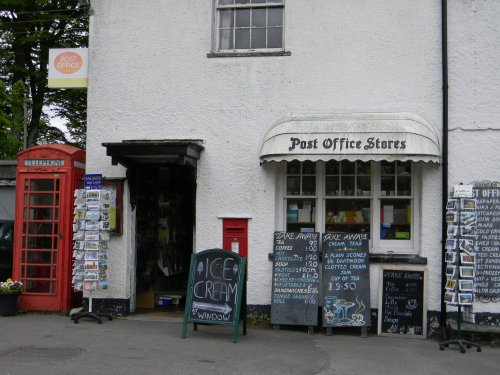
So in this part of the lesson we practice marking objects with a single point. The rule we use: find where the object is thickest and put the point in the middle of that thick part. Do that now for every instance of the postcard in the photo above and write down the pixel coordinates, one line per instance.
(468, 218)
(452, 217)
(91, 245)
(450, 270)
(467, 271)
(466, 258)
(467, 245)
(465, 298)
(450, 284)
(468, 231)
(468, 204)
(452, 230)
(451, 244)
(466, 285)
(450, 297)
(452, 205)
(450, 257)
(91, 275)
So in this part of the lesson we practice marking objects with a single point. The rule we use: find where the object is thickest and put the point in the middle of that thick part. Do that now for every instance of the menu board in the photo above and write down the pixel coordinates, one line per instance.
(346, 280)
(487, 276)
(402, 302)
(295, 279)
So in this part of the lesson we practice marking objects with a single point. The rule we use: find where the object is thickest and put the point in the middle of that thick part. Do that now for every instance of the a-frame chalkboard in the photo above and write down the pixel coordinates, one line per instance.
(216, 290)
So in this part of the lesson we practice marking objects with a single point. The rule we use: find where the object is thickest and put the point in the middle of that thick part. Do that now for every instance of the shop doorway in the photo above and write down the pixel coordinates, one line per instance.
(165, 220)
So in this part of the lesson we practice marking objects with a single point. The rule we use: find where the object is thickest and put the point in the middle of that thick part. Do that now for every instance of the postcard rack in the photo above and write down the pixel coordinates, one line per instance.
(460, 262)
(91, 235)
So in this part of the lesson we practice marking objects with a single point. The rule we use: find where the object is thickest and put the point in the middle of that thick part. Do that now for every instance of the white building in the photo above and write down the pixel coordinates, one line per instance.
(206, 106)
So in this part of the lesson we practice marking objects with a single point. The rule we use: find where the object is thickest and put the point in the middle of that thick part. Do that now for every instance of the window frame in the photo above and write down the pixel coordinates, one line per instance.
(376, 244)
(217, 52)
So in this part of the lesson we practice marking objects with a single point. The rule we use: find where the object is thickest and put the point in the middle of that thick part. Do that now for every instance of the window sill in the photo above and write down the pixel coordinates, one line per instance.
(248, 54)
(397, 258)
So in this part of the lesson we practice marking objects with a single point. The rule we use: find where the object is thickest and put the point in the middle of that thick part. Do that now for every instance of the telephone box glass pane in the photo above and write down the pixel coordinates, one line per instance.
(41, 199)
(42, 185)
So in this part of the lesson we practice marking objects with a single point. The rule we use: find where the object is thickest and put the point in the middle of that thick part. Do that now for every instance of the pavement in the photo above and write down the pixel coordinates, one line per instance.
(148, 344)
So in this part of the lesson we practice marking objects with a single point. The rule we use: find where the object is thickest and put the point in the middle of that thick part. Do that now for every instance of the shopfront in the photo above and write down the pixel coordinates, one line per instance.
(353, 173)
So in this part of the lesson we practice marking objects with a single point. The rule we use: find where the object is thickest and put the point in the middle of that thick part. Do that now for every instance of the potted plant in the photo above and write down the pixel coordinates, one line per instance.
(9, 291)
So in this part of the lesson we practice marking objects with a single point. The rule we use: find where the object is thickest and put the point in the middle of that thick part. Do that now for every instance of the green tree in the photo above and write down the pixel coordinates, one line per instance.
(28, 29)
(11, 119)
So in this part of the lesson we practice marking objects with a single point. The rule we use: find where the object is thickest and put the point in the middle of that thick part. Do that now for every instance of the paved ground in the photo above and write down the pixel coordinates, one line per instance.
(53, 344)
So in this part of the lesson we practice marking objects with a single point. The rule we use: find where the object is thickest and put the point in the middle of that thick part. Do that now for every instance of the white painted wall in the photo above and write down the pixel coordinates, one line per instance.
(150, 78)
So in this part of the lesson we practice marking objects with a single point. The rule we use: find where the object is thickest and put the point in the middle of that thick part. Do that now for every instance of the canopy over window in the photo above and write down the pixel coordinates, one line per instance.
(361, 136)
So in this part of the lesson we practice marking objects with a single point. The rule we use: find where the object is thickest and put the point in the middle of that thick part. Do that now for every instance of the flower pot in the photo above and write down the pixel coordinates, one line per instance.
(8, 304)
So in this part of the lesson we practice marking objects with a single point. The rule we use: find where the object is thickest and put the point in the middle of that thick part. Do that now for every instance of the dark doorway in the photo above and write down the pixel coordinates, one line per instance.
(164, 234)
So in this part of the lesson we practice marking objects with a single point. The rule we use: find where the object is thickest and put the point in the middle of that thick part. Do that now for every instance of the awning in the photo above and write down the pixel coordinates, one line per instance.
(135, 152)
(360, 136)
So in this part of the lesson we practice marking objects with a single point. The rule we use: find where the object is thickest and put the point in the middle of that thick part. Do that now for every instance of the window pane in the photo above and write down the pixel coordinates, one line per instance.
(274, 37)
(332, 185)
(242, 18)
(275, 17)
(258, 38)
(242, 1)
(395, 219)
(259, 17)
(293, 167)
(308, 167)
(225, 2)
(300, 215)
(42, 185)
(364, 186)
(242, 39)
(347, 186)
(347, 216)
(347, 167)
(387, 167)
(404, 185)
(226, 18)
(308, 185)
(293, 185)
(42, 199)
(332, 167)
(387, 186)
(258, 1)
(226, 39)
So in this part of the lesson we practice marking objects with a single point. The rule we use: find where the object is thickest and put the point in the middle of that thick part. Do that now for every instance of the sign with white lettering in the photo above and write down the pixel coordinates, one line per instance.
(346, 280)
(296, 279)
(215, 290)
(487, 278)
(93, 181)
(402, 309)
(44, 162)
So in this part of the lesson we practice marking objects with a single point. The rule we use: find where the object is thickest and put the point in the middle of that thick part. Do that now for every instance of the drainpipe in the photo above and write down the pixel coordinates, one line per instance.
(444, 57)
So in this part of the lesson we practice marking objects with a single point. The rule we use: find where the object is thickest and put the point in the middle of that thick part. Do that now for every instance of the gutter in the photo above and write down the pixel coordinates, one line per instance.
(444, 57)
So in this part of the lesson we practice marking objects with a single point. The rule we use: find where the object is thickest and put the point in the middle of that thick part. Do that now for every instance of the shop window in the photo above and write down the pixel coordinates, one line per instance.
(247, 25)
(354, 197)
(350, 185)
(301, 196)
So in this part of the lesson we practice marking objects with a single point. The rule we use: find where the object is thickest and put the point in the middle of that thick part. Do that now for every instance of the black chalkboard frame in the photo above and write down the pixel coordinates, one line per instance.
(239, 305)
(381, 300)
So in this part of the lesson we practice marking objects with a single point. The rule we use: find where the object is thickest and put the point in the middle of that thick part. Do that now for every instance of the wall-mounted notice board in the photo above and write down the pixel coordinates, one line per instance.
(402, 306)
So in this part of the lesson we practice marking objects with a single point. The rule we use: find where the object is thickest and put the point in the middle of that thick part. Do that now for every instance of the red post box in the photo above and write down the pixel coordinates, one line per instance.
(235, 236)
(46, 179)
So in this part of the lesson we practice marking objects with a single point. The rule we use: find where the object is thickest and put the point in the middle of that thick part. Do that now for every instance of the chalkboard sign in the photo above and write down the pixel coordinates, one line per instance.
(487, 281)
(402, 306)
(346, 280)
(215, 290)
(295, 279)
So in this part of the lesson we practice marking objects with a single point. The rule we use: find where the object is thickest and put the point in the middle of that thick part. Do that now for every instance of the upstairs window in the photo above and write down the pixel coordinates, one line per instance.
(244, 25)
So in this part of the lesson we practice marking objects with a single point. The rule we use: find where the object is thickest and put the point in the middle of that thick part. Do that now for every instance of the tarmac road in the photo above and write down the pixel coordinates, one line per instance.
(52, 344)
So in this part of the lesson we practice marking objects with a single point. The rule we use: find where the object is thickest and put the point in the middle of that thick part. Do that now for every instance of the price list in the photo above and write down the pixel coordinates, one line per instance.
(296, 278)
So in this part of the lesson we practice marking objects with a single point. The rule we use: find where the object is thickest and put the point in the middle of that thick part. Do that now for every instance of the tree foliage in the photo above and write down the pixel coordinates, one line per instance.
(28, 29)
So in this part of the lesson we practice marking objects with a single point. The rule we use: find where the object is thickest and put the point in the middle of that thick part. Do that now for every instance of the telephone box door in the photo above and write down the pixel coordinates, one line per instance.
(40, 266)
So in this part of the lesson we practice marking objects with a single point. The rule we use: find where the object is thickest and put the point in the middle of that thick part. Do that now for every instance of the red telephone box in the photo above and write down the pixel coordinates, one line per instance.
(235, 236)
(46, 178)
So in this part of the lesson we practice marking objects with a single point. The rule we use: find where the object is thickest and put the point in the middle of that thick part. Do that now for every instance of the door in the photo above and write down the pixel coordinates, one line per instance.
(39, 254)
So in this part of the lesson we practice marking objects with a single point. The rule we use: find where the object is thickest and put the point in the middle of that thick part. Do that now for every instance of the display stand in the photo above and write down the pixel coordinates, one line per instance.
(90, 314)
(91, 235)
(460, 259)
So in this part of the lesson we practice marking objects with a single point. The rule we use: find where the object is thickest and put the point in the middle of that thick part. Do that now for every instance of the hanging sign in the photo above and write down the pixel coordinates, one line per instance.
(93, 181)
(68, 67)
